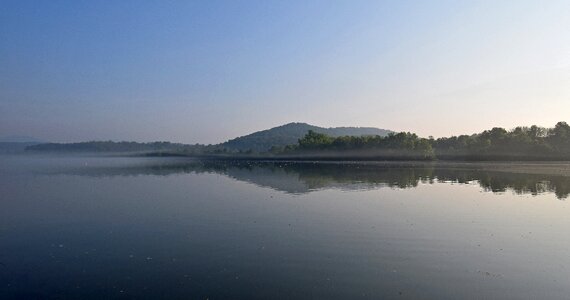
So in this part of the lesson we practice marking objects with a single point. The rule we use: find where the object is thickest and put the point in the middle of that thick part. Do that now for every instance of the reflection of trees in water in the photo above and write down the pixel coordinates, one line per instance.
(533, 184)
(499, 182)
(301, 177)
(326, 175)
(323, 175)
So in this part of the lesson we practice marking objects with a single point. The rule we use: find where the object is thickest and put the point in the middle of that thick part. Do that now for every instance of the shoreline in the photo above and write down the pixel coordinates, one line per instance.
(536, 167)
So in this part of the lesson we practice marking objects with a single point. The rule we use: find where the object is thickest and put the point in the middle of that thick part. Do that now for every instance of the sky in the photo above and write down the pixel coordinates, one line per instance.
(208, 71)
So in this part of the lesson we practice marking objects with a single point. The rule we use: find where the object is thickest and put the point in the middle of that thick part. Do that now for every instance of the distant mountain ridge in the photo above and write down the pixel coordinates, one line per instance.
(290, 134)
(20, 139)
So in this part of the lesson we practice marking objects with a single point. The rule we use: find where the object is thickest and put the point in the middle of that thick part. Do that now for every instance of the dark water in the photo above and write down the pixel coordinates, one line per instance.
(131, 228)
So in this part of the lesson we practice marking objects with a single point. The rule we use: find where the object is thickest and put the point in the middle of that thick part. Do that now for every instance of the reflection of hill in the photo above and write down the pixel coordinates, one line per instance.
(303, 177)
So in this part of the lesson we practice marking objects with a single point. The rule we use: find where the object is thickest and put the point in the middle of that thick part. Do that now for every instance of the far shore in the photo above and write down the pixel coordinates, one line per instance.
(538, 167)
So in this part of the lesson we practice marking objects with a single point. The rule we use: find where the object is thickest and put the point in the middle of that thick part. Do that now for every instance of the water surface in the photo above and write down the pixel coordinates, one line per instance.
(133, 228)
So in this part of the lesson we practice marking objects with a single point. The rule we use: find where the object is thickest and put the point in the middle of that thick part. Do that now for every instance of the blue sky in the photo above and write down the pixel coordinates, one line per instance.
(206, 71)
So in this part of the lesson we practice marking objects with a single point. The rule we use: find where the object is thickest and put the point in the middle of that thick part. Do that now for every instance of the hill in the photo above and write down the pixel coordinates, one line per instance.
(290, 134)
(261, 141)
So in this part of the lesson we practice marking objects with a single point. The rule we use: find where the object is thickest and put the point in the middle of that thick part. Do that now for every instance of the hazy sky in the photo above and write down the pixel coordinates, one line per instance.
(212, 70)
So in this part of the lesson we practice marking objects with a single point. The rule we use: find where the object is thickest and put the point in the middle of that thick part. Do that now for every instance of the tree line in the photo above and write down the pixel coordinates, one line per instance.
(525, 143)
(394, 145)
(520, 143)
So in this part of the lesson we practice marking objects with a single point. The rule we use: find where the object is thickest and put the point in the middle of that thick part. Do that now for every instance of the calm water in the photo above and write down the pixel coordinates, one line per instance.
(132, 228)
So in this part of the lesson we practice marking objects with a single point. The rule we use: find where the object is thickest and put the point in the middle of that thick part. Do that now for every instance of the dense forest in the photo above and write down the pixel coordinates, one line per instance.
(520, 143)
(532, 142)
(402, 145)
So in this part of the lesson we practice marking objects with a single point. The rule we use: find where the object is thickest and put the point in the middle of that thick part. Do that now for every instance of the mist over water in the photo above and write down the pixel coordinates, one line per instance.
(91, 228)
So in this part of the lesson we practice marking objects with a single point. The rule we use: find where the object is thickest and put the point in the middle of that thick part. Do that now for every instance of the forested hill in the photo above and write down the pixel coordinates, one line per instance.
(290, 134)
